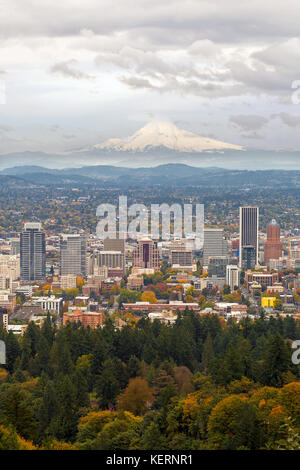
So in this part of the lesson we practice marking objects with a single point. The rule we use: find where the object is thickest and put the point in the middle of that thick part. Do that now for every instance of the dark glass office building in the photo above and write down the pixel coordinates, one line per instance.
(248, 252)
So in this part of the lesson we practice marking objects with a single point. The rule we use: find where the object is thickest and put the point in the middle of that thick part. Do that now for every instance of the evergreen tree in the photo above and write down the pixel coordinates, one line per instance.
(64, 425)
(133, 367)
(108, 384)
(207, 354)
(16, 410)
(13, 351)
(81, 386)
(47, 411)
(276, 361)
(48, 330)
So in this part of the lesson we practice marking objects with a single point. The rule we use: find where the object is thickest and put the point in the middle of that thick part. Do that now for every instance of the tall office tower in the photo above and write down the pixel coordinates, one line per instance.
(114, 244)
(273, 246)
(214, 244)
(33, 252)
(248, 252)
(73, 254)
(232, 276)
(249, 258)
(146, 255)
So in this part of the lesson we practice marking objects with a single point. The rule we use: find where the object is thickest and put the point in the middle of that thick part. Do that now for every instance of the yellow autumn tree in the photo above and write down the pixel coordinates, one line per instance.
(290, 399)
(149, 296)
(10, 440)
(79, 282)
(233, 425)
(90, 425)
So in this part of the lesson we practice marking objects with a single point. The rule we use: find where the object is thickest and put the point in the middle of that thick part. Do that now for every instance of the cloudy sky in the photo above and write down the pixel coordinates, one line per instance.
(74, 73)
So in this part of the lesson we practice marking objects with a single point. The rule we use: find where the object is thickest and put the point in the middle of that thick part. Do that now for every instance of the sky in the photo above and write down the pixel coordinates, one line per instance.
(75, 73)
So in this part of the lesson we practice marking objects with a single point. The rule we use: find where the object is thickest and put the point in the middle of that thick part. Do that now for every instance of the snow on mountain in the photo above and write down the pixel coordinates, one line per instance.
(157, 134)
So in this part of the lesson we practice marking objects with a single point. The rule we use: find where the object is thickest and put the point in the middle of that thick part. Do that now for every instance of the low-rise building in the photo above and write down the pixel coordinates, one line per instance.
(50, 304)
(268, 302)
(68, 281)
(159, 307)
(135, 282)
(7, 300)
(17, 329)
(265, 279)
(81, 300)
(141, 271)
(87, 289)
(26, 290)
(87, 318)
(165, 317)
(4, 318)
(277, 287)
(230, 307)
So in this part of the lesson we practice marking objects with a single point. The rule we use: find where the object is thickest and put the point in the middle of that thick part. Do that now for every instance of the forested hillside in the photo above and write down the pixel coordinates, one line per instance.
(199, 384)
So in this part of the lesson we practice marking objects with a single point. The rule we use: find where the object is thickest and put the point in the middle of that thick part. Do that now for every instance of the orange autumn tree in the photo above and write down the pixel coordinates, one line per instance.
(137, 396)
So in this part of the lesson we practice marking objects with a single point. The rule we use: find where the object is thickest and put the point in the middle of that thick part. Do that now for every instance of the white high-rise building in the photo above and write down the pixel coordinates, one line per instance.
(232, 276)
(33, 252)
(73, 257)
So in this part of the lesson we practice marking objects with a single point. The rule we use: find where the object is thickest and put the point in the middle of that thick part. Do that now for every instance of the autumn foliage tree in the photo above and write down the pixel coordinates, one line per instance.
(137, 396)
(234, 424)
(149, 296)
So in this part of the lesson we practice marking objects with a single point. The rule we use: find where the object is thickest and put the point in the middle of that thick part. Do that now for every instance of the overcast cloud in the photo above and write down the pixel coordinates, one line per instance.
(96, 69)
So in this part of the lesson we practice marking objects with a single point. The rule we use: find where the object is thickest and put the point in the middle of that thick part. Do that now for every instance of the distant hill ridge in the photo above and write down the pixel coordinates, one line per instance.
(173, 174)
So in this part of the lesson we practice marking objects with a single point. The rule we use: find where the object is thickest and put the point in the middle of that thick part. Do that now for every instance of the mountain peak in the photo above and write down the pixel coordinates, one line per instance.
(164, 134)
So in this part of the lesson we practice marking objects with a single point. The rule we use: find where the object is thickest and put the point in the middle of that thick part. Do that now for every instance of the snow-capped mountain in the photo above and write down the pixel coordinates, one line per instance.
(161, 134)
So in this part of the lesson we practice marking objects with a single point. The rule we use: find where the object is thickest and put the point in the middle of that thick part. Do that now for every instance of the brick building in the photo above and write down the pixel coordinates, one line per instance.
(91, 319)
(273, 246)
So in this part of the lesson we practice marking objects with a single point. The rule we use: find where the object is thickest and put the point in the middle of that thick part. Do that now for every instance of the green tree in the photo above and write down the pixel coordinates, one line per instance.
(276, 361)
(13, 351)
(16, 410)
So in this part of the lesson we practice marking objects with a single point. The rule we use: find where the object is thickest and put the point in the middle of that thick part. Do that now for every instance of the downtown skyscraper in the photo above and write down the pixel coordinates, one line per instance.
(273, 245)
(146, 255)
(214, 244)
(73, 254)
(32, 252)
(248, 250)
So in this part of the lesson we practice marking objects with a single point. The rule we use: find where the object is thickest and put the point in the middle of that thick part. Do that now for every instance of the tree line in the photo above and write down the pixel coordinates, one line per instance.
(198, 384)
